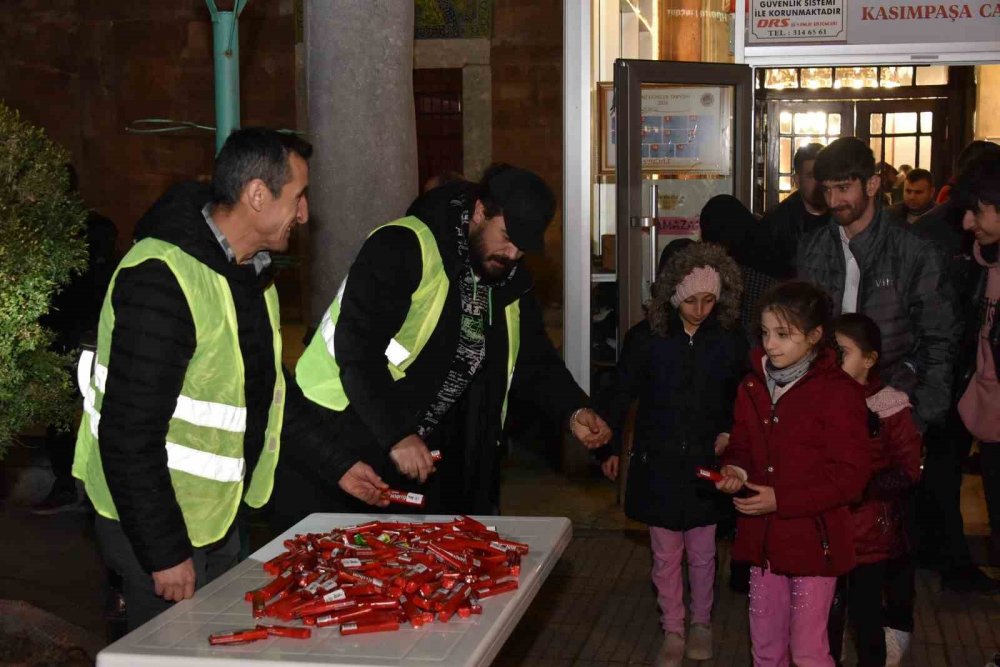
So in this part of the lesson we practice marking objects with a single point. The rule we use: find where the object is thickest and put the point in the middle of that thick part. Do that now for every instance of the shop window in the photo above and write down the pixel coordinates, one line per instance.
(785, 122)
(902, 137)
(932, 75)
(795, 130)
(810, 122)
(893, 77)
(781, 78)
(856, 77)
(817, 78)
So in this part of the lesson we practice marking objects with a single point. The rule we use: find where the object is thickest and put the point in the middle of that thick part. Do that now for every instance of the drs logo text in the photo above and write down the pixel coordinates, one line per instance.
(773, 23)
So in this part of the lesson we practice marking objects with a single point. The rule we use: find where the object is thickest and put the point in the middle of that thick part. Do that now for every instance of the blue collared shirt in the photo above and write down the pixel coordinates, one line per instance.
(260, 261)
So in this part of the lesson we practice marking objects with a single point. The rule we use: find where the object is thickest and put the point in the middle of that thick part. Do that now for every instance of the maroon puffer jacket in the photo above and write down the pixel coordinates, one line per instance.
(812, 446)
(879, 521)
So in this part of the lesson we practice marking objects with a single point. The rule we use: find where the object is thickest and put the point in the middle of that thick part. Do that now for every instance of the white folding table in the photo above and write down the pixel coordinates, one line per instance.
(179, 636)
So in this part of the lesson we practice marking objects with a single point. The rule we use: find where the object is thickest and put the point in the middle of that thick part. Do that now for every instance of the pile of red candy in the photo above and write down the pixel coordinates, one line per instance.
(379, 575)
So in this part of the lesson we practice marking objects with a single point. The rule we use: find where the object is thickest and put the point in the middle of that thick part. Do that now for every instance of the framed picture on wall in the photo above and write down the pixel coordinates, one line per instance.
(684, 129)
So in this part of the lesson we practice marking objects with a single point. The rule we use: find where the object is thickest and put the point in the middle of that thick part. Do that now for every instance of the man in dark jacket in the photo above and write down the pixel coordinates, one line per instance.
(918, 197)
(977, 192)
(434, 324)
(942, 543)
(726, 221)
(182, 417)
(870, 265)
(801, 212)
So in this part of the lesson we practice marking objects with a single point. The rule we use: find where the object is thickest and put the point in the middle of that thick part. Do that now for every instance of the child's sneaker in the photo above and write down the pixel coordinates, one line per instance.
(897, 642)
(671, 652)
(699, 642)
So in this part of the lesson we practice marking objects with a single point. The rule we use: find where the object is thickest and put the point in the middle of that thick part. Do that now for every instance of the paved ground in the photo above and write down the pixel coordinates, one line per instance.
(597, 608)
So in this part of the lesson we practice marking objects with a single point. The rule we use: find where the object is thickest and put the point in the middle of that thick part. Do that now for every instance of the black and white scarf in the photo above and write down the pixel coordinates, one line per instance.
(782, 377)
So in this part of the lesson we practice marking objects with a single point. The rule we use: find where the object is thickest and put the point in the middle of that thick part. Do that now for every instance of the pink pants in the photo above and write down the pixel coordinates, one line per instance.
(789, 613)
(668, 550)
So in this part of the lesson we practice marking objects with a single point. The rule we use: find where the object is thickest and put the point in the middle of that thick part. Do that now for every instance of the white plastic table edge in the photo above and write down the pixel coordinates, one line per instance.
(482, 658)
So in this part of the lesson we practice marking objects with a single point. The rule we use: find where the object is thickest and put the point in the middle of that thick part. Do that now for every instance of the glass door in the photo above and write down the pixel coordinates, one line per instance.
(682, 136)
(906, 132)
(793, 124)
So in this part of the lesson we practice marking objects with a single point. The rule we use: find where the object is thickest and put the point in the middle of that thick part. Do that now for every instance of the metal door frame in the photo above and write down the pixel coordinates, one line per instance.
(629, 77)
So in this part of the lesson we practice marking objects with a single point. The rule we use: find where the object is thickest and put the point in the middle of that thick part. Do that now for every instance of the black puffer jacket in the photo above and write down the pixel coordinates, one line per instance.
(943, 225)
(906, 290)
(382, 412)
(686, 387)
(152, 343)
(779, 233)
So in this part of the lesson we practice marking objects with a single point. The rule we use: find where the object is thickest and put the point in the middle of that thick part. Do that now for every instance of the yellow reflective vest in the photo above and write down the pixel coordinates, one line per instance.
(318, 373)
(204, 440)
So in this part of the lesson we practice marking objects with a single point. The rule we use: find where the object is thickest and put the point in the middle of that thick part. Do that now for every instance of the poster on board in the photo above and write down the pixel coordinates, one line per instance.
(685, 130)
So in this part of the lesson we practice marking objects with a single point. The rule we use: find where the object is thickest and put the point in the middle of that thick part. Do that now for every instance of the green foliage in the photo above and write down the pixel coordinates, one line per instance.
(41, 246)
(452, 19)
(428, 12)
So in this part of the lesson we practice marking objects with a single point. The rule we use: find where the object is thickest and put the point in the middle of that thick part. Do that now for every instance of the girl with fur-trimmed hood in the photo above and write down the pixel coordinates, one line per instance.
(683, 364)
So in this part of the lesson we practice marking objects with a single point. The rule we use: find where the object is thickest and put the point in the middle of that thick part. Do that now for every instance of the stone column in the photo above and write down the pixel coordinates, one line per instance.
(363, 173)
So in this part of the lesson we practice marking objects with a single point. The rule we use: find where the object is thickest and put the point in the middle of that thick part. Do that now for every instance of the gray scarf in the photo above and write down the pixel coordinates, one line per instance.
(781, 377)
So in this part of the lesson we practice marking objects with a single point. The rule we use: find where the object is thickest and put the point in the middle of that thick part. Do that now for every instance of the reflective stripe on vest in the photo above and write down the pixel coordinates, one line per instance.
(200, 413)
(204, 443)
(318, 373)
(84, 369)
(204, 464)
(395, 353)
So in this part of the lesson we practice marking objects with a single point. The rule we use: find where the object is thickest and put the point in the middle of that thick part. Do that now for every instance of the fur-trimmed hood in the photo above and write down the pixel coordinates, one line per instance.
(727, 308)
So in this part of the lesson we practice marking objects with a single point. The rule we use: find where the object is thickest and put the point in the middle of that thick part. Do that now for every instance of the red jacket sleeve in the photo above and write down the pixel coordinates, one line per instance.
(905, 444)
(844, 433)
(738, 451)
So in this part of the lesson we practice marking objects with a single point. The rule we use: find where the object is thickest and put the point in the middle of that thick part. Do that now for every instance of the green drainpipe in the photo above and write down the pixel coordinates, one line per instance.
(226, 53)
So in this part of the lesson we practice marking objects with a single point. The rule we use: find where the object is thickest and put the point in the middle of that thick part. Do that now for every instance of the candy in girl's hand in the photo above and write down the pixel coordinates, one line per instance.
(707, 473)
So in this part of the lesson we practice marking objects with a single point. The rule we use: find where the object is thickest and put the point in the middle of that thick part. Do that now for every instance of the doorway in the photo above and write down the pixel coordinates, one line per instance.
(799, 123)
(906, 132)
(437, 101)
(913, 115)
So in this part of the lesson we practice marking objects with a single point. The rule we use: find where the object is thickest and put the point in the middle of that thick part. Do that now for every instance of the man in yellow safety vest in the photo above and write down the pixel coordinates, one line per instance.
(186, 397)
(434, 326)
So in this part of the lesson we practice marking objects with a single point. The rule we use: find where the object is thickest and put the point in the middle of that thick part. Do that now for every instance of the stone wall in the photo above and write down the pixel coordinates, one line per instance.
(84, 70)
(526, 59)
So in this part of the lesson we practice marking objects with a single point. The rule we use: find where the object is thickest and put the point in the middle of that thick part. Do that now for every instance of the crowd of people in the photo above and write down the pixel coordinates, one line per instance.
(808, 362)
(841, 436)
